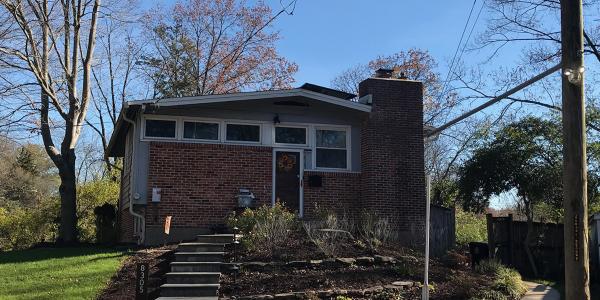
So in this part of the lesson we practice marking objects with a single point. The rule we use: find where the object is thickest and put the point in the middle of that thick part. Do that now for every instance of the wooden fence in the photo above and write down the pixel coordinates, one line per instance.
(506, 242)
(442, 231)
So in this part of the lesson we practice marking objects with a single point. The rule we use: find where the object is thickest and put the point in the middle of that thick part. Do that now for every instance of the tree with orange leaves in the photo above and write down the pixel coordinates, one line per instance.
(201, 47)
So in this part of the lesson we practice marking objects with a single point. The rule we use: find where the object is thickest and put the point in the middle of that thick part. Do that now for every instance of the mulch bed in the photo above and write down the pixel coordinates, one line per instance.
(451, 277)
(122, 284)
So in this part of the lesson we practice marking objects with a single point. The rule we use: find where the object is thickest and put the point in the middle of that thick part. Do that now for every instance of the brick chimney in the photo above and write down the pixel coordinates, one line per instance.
(393, 171)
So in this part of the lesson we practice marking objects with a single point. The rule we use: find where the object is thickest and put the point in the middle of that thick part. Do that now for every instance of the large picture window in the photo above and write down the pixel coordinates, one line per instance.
(160, 128)
(243, 133)
(331, 152)
(290, 135)
(200, 130)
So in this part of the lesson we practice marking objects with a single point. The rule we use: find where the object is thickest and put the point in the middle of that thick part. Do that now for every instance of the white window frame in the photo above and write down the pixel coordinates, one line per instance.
(348, 131)
(202, 120)
(260, 137)
(160, 118)
(292, 125)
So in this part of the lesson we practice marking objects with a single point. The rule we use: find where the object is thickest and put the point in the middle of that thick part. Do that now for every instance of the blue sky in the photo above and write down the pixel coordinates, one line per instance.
(328, 36)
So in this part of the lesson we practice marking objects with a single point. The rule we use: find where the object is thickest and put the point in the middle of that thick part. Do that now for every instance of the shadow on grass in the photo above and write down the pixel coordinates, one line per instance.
(39, 254)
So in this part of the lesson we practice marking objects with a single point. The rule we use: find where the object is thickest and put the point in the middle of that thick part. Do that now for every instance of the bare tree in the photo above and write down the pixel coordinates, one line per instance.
(214, 47)
(47, 48)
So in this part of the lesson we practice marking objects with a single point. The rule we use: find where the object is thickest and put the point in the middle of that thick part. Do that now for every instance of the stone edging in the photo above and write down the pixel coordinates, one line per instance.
(341, 261)
(327, 294)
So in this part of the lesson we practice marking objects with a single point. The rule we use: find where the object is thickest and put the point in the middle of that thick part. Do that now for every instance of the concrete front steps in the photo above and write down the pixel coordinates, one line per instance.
(196, 271)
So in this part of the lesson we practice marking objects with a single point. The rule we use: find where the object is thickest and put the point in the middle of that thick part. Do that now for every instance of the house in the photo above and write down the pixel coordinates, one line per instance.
(191, 157)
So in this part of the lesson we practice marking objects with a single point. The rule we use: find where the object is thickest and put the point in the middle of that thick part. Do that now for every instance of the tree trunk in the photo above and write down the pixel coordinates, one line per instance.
(67, 233)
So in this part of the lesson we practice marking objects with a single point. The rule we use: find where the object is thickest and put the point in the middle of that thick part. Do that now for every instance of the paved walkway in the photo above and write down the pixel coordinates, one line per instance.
(540, 292)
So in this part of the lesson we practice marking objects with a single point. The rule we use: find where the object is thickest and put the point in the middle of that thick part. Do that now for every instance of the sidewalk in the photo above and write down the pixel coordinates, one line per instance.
(540, 292)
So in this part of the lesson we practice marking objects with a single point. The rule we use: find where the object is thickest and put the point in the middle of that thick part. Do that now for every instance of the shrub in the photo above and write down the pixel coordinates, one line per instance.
(488, 295)
(489, 267)
(90, 195)
(470, 227)
(374, 231)
(507, 281)
(265, 229)
(22, 227)
(330, 233)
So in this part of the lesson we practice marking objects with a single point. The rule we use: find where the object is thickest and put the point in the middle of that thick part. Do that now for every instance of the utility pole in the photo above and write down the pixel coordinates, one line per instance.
(577, 284)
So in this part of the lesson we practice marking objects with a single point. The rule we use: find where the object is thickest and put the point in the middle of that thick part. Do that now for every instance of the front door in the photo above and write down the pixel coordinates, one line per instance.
(288, 180)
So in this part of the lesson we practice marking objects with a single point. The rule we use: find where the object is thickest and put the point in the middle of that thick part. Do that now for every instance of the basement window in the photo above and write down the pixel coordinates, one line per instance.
(331, 149)
(160, 128)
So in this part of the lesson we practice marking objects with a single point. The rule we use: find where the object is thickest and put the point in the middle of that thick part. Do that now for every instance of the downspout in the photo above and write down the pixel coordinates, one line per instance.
(131, 211)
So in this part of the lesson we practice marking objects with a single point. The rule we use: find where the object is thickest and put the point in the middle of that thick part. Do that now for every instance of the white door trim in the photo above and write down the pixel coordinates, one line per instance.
(301, 179)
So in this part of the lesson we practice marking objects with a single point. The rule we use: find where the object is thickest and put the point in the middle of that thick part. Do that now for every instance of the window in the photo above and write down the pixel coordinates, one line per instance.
(243, 133)
(331, 149)
(160, 128)
(290, 135)
(200, 130)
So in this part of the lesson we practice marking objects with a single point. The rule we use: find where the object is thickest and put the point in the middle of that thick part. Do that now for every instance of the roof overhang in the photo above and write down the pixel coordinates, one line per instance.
(116, 146)
(299, 92)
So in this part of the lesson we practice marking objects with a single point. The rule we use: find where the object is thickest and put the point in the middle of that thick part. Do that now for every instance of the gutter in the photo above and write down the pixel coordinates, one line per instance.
(131, 211)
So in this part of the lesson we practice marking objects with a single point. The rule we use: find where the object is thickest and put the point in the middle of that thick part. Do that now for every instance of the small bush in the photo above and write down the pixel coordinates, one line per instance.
(90, 195)
(388, 295)
(265, 229)
(509, 281)
(488, 295)
(489, 267)
(470, 227)
(374, 231)
(330, 233)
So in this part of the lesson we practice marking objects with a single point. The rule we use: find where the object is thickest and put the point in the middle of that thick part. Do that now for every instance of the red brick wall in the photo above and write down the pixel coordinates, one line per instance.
(339, 192)
(199, 182)
(393, 171)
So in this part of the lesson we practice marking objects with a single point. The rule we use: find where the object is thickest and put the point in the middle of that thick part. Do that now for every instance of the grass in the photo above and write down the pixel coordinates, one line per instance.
(57, 273)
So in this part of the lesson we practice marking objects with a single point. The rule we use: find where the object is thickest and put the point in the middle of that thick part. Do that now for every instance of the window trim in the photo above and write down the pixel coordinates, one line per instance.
(208, 121)
(160, 118)
(348, 132)
(291, 125)
(260, 137)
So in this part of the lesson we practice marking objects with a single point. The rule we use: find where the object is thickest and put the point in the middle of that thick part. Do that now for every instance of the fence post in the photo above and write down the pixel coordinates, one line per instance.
(511, 249)
(490, 234)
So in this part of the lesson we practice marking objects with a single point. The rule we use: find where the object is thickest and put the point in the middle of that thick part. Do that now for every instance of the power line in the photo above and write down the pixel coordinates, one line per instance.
(458, 48)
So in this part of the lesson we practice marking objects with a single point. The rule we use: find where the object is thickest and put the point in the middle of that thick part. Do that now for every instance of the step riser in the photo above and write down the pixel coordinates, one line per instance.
(188, 248)
(215, 239)
(195, 279)
(188, 291)
(200, 258)
(196, 268)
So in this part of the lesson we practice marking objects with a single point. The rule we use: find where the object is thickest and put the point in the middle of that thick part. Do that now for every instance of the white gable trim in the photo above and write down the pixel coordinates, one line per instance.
(255, 96)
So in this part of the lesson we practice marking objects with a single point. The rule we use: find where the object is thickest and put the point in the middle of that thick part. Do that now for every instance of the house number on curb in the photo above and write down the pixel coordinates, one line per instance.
(141, 281)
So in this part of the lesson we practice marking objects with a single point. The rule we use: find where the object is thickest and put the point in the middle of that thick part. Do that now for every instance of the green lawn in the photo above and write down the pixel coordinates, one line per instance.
(57, 273)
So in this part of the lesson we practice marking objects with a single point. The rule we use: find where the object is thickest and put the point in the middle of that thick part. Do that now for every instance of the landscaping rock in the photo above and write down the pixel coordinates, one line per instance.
(380, 259)
(365, 261)
(297, 264)
(263, 297)
(285, 296)
(406, 284)
(395, 288)
(410, 258)
(373, 290)
(340, 292)
(325, 294)
(347, 261)
(316, 262)
(255, 266)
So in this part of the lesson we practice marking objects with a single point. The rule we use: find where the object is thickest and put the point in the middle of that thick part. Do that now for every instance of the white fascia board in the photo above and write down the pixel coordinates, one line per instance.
(254, 96)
